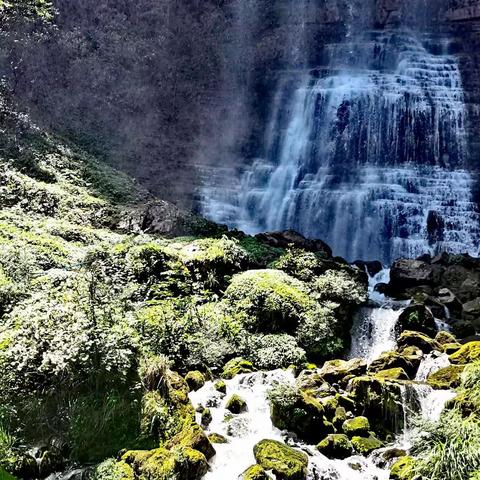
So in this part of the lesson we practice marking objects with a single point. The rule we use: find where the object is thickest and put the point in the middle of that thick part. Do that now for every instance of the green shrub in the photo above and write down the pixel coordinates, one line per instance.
(338, 286)
(268, 352)
(448, 449)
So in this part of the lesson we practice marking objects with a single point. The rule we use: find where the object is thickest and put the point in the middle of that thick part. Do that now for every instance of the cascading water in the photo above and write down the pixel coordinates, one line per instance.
(373, 330)
(368, 152)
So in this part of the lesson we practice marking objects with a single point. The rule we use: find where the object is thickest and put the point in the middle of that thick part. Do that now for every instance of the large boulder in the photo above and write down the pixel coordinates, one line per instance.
(289, 238)
(234, 367)
(446, 378)
(285, 462)
(195, 380)
(236, 404)
(407, 358)
(418, 318)
(418, 340)
(193, 437)
(468, 353)
(366, 445)
(357, 426)
(336, 445)
(255, 472)
(333, 371)
(181, 463)
(163, 218)
(407, 273)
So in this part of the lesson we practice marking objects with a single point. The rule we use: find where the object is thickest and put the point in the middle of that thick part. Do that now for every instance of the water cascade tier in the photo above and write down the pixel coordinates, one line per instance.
(368, 152)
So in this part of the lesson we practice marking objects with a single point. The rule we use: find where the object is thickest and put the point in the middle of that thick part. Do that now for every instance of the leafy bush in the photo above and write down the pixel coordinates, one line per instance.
(337, 286)
(303, 265)
(318, 333)
(448, 449)
(269, 352)
(271, 300)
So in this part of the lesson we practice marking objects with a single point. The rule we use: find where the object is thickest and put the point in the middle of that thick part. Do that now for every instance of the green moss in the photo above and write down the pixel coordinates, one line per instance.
(403, 469)
(237, 366)
(393, 374)
(260, 253)
(192, 436)
(468, 353)
(236, 404)
(5, 475)
(271, 300)
(356, 426)
(446, 378)
(195, 380)
(112, 470)
(366, 445)
(181, 463)
(285, 462)
(336, 446)
(220, 386)
(255, 472)
(217, 438)
(444, 338)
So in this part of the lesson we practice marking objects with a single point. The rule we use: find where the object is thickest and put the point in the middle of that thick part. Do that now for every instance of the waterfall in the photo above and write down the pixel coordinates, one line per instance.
(373, 330)
(248, 428)
(367, 151)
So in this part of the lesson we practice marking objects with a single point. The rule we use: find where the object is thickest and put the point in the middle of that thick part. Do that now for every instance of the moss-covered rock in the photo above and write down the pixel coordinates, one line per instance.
(333, 371)
(237, 366)
(444, 338)
(357, 426)
(393, 374)
(339, 417)
(112, 470)
(220, 386)
(366, 445)
(402, 469)
(285, 462)
(419, 340)
(217, 438)
(192, 436)
(336, 446)
(271, 300)
(446, 378)
(181, 463)
(416, 318)
(206, 418)
(468, 353)
(236, 404)
(195, 380)
(451, 348)
(408, 359)
(255, 472)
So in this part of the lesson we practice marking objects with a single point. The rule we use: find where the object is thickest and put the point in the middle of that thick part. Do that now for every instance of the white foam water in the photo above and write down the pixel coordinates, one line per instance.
(243, 431)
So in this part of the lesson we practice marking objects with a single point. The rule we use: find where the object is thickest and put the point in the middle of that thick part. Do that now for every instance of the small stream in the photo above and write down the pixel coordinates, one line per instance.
(373, 332)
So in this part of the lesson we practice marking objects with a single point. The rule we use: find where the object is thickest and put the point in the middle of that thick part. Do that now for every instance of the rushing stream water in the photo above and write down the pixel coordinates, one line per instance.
(372, 334)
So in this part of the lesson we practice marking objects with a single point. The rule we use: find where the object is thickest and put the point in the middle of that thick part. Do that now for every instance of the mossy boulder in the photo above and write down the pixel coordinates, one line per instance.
(195, 380)
(271, 301)
(193, 436)
(336, 445)
(217, 438)
(402, 469)
(285, 462)
(220, 386)
(181, 463)
(333, 371)
(444, 338)
(417, 318)
(451, 348)
(379, 400)
(393, 374)
(206, 418)
(237, 366)
(112, 470)
(419, 340)
(356, 426)
(255, 472)
(301, 413)
(366, 445)
(236, 404)
(339, 417)
(446, 378)
(468, 353)
(408, 359)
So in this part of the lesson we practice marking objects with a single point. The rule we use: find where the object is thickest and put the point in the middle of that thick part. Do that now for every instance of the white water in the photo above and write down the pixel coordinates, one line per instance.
(247, 429)
(373, 330)
(369, 153)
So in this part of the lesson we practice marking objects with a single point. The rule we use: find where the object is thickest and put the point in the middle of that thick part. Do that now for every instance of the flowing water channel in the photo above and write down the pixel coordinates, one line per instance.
(372, 334)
